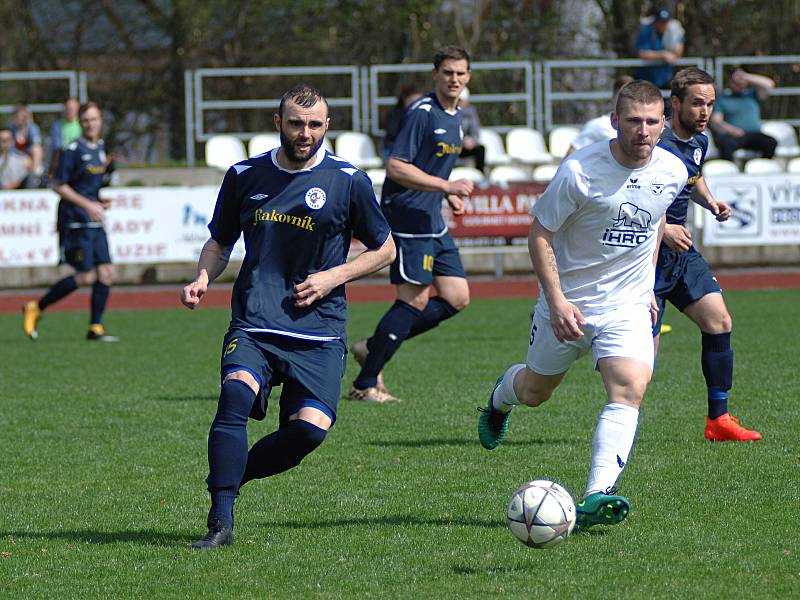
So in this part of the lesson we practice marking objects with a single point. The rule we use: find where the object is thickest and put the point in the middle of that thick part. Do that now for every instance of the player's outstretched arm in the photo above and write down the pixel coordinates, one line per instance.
(415, 178)
(701, 196)
(565, 318)
(318, 285)
(67, 192)
(213, 260)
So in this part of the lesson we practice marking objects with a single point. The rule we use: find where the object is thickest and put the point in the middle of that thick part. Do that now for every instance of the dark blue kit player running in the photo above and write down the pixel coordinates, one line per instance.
(81, 172)
(298, 207)
(682, 275)
(422, 157)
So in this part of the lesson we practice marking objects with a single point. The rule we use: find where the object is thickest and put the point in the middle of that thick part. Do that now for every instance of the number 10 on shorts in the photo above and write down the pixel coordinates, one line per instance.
(427, 262)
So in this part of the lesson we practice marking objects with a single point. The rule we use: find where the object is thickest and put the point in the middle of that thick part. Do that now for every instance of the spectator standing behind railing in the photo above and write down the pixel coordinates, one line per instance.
(736, 121)
(661, 38)
(470, 125)
(64, 131)
(394, 118)
(14, 165)
(28, 139)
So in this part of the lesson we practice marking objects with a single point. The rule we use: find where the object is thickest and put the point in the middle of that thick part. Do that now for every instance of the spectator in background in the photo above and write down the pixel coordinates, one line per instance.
(394, 118)
(28, 139)
(14, 165)
(470, 125)
(599, 128)
(736, 121)
(660, 39)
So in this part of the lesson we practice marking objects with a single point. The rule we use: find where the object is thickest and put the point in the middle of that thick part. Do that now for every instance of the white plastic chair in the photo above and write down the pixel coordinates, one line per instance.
(786, 136)
(713, 151)
(471, 173)
(762, 166)
(720, 167)
(495, 150)
(560, 140)
(222, 151)
(377, 176)
(527, 146)
(507, 174)
(358, 149)
(544, 172)
(793, 166)
(263, 142)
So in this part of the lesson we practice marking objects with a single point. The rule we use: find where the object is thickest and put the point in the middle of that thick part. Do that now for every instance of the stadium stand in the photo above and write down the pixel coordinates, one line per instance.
(763, 165)
(793, 166)
(262, 142)
(508, 173)
(377, 176)
(786, 136)
(495, 150)
(544, 172)
(527, 146)
(720, 166)
(359, 149)
(471, 173)
(560, 140)
(222, 151)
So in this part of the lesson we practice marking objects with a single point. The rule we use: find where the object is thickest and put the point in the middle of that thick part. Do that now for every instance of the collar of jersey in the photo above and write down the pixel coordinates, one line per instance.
(677, 137)
(89, 144)
(273, 154)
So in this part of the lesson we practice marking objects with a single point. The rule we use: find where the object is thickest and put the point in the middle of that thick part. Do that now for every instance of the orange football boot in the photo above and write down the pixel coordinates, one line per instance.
(726, 428)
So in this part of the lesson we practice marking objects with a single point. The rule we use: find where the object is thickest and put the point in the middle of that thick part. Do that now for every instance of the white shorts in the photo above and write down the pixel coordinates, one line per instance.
(624, 332)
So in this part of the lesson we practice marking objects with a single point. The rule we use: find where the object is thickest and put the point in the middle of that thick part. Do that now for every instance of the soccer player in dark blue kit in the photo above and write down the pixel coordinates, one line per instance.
(682, 275)
(81, 172)
(423, 155)
(298, 207)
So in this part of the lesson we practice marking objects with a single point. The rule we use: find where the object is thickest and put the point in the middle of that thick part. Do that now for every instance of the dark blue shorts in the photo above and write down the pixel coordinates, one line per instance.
(419, 259)
(310, 372)
(84, 248)
(682, 278)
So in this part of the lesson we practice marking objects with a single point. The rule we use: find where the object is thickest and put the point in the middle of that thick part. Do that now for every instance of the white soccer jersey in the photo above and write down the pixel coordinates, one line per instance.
(598, 129)
(605, 218)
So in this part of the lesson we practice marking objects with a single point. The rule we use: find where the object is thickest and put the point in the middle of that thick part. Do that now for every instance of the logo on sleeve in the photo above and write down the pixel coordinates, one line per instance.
(315, 198)
(698, 154)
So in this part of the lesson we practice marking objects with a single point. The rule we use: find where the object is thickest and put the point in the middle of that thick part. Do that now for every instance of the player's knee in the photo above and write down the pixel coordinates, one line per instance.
(105, 274)
(304, 438)
(532, 393)
(85, 278)
(461, 302)
(720, 322)
(244, 377)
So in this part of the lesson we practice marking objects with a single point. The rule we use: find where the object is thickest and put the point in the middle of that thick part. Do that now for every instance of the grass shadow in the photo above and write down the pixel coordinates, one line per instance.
(457, 442)
(146, 537)
(392, 520)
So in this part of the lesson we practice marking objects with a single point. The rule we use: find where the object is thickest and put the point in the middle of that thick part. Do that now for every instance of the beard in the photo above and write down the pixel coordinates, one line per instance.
(293, 154)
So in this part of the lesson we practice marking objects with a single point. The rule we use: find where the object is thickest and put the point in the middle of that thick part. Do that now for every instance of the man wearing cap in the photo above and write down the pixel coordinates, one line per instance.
(660, 39)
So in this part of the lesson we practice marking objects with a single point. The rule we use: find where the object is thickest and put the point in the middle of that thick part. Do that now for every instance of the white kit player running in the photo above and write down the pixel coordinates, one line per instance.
(593, 241)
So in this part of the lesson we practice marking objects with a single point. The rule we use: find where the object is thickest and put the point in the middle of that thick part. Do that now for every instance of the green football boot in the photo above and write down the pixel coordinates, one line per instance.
(492, 424)
(601, 509)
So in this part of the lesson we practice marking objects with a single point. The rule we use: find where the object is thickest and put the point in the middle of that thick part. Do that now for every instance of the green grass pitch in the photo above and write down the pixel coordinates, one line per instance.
(103, 453)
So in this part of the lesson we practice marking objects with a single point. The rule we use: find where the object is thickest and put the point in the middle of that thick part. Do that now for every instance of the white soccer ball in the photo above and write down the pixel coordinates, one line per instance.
(541, 514)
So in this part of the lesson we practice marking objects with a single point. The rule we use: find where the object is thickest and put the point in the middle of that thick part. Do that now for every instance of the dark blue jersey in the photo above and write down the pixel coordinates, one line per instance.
(693, 153)
(81, 165)
(295, 223)
(430, 139)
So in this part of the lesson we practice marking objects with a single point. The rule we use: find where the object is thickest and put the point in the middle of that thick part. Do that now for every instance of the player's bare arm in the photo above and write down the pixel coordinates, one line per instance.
(565, 318)
(701, 196)
(212, 262)
(415, 178)
(67, 192)
(662, 229)
(318, 285)
(457, 204)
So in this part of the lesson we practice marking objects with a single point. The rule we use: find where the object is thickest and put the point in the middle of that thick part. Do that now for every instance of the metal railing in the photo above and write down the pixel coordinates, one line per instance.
(75, 80)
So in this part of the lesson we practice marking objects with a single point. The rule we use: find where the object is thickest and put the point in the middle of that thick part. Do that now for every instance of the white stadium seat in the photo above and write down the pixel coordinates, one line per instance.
(263, 142)
(763, 165)
(358, 149)
(222, 151)
(495, 151)
(786, 136)
(527, 146)
(507, 174)
(377, 176)
(720, 166)
(471, 173)
(560, 140)
(713, 151)
(793, 166)
(544, 172)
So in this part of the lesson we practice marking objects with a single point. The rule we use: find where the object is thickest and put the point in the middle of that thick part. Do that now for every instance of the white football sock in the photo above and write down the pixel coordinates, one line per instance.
(613, 440)
(504, 397)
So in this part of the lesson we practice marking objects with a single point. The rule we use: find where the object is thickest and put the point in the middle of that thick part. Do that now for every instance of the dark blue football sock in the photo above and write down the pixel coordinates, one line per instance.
(59, 290)
(435, 312)
(282, 449)
(227, 448)
(392, 330)
(100, 292)
(717, 362)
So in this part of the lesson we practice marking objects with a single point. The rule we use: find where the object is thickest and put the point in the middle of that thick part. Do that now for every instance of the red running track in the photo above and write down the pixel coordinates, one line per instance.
(132, 298)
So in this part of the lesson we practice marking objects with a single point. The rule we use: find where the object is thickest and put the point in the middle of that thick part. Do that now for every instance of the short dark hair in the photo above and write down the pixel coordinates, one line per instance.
(303, 95)
(640, 91)
(450, 53)
(5, 128)
(86, 106)
(688, 77)
(621, 81)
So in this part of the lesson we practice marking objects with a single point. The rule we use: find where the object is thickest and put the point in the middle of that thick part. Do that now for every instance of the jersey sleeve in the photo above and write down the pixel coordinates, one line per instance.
(561, 198)
(366, 219)
(413, 130)
(225, 226)
(68, 162)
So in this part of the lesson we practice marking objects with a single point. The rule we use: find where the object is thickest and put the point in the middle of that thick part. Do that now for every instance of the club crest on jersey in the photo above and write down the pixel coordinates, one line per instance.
(315, 198)
(656, 188)
(698, 154)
